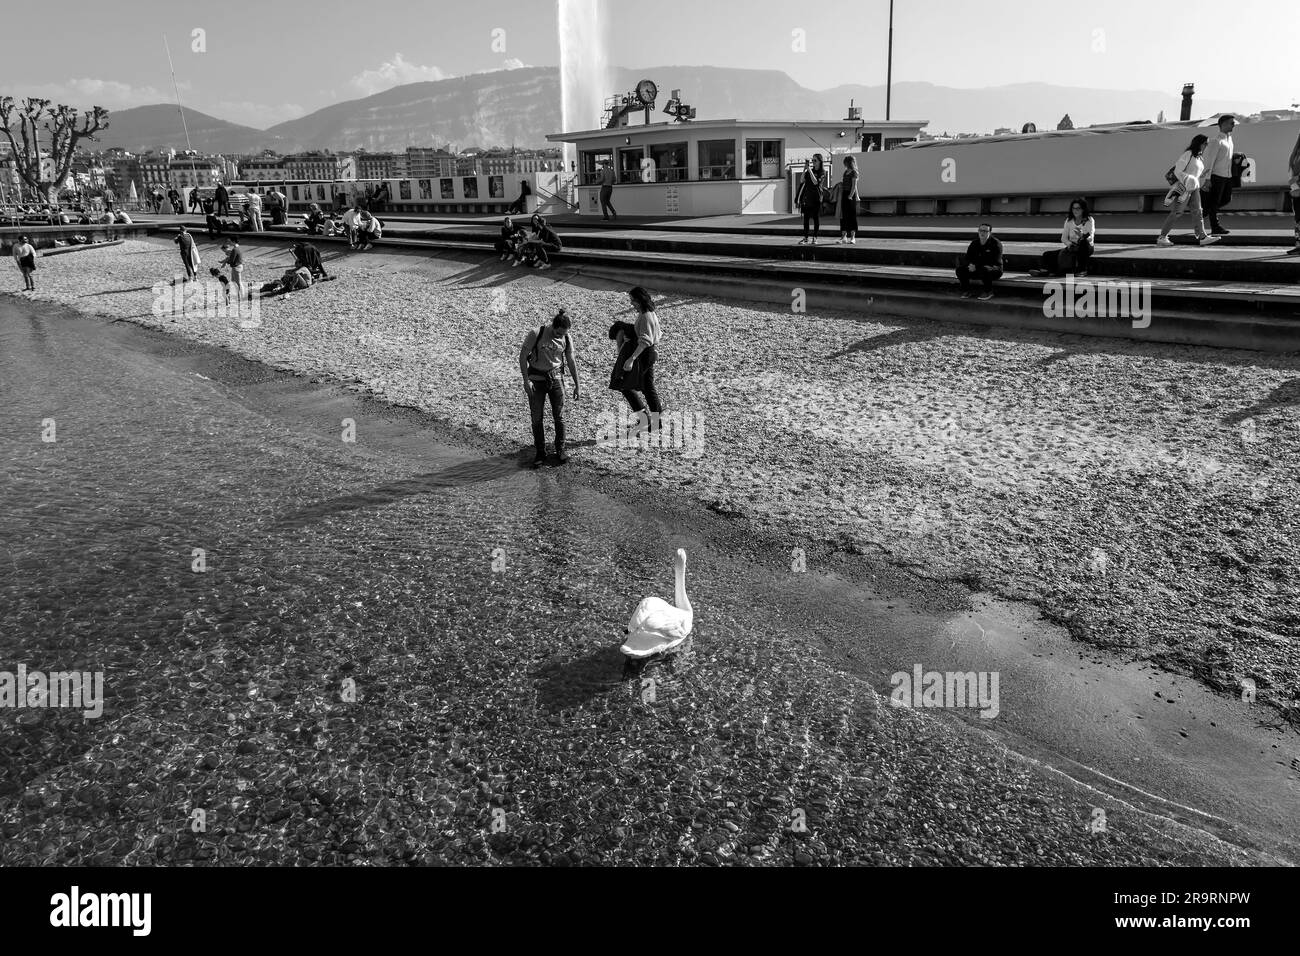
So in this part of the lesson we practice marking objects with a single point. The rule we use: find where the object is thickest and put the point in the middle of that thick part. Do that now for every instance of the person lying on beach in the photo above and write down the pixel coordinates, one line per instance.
(295, 279)
(25, 259)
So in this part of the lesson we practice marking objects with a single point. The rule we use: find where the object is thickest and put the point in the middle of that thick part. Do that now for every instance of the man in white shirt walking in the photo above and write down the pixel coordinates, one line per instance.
(1218, 163)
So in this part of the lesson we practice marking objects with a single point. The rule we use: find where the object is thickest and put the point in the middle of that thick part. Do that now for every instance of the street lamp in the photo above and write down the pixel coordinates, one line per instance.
(889, 69)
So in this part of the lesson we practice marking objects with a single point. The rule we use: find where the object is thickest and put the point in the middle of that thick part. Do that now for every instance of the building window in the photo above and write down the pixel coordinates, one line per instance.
(426, 189)
(668, 160)
(630, 164)
(870, 139)
(718, 159)
(763, 158)
(497, 187)
(471, 187)
(590, 164)
(445, 189)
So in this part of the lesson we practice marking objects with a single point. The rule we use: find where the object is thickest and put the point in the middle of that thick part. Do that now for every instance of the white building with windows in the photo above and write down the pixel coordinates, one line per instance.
(717, 167)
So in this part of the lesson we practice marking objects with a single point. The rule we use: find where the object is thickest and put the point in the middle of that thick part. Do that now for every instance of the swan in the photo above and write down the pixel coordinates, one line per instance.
(657, 626)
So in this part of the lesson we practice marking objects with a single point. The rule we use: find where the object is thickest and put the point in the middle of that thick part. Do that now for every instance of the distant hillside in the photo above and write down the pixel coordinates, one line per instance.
(520, 107)
(159, 125)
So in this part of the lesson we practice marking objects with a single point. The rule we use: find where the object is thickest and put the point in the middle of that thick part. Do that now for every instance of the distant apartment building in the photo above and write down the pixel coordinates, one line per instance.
(189, 171)
(507, 165)
(320, 167)
(120, 171)
(263, 169)
(426, 163)
(155, 169)
(381, 165)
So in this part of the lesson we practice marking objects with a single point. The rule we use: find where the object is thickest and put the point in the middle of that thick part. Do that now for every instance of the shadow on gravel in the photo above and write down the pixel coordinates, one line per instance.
(1288, 393)
(91, 295)
(466, 473)
(904, 336)
(572, 683)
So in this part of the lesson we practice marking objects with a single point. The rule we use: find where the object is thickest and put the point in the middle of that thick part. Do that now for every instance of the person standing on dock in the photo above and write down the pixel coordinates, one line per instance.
(223, 200)
(25, 259)
(812, 189)
(607, 190)
(542, 360)
(849, 203)
(983, 261)
(255, 211)
(1218, 162)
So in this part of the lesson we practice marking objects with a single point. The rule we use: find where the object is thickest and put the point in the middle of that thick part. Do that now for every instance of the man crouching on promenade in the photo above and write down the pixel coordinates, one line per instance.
(542, 360)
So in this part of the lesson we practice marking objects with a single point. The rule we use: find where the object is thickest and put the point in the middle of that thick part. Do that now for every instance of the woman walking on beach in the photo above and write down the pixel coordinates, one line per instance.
(812, 187)
(1294, 182)
(1186, 193)
(25, 257)
(648, 336)
(622, 380)
(849, 202)
(1077, 239)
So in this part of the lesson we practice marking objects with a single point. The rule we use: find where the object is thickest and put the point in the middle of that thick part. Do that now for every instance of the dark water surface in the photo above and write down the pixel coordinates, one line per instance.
(375, 559)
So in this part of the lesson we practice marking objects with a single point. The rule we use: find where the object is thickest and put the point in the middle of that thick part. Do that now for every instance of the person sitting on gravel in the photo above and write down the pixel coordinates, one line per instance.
(512, 235)
(308, 256)
(537, 248)
(983, 261)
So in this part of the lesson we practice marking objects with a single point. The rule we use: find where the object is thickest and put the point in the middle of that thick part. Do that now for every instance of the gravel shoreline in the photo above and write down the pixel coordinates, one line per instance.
(1141, 495)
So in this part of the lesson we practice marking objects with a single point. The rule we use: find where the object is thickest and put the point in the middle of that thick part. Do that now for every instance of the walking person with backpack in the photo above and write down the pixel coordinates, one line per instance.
(542, 360)
(1188, 173)
(812, 190)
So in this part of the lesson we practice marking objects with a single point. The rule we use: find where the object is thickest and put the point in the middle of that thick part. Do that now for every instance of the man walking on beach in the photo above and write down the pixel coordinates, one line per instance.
(25, 259)
(1218, 162)
(983, 261)
(541, 360)
(607, 190)
(223, 200)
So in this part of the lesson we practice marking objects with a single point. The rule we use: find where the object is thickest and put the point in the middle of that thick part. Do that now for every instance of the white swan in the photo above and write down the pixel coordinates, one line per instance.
(657, 626)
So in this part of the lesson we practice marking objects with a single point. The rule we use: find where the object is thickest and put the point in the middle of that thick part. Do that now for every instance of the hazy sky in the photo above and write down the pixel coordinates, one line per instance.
(271, 61)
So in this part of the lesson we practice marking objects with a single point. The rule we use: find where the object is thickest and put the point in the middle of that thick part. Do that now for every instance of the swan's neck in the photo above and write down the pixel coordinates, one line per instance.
(683, 603)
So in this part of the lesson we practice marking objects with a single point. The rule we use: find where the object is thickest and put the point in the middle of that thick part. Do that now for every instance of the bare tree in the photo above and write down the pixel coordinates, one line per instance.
(60, 122)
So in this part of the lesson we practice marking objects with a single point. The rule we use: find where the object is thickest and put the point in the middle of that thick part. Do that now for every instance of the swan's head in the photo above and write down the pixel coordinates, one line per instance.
(679, 560)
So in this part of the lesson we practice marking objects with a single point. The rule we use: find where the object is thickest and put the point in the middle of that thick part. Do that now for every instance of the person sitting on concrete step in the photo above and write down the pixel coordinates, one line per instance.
(983, 261)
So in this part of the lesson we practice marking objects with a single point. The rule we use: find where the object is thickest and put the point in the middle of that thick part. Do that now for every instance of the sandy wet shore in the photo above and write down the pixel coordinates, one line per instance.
(1142, 495)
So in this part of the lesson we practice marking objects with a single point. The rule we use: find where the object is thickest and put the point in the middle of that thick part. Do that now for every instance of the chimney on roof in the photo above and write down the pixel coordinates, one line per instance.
(1188, 91)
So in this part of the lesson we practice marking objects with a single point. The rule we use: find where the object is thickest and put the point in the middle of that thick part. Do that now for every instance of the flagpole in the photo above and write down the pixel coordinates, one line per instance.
(176, 89)
(889, 70)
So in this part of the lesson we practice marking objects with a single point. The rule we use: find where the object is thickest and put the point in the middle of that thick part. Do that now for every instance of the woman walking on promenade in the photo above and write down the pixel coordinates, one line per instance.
(1077, 239)
(849, 202)
(25, 258)
(647, 341)
(812, 186)
(1294, 182)
(1186, 194)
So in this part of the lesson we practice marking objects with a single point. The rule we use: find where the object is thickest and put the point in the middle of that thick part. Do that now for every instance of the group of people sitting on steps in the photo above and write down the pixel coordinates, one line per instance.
(523, 248)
